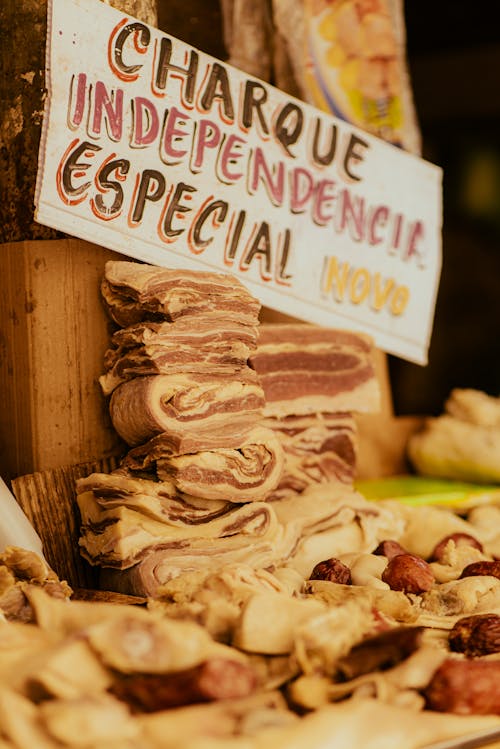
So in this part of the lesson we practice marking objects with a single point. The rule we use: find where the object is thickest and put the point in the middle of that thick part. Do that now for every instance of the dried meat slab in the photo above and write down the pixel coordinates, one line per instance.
(197, 411)
(214, 344)
(158, 566)
(308, 369)
(120, 537)
(332, 519)
(158, 500)
(320, 448)
(133, 292)
(300, 531)
(247, 473)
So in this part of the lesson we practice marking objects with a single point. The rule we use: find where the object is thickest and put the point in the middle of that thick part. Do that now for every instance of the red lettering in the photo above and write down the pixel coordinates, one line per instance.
(107, 106)
(301, 189)
(78, 96)
(322, 202)
(146, 123)
(274, 183)
(172, 134)
(379, 217)
(207, 136)
(229, 154)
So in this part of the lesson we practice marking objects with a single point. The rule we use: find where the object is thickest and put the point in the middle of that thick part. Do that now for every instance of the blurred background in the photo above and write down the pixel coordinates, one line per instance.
(454, 60)
(453, 52)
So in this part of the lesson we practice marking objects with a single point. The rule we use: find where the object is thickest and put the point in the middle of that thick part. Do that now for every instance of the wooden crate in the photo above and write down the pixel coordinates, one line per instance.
(53, 334)
(48, 499)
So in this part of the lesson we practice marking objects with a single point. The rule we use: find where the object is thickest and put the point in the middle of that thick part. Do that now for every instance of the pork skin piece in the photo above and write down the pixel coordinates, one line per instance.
(215, 344)
(155, 566)
(157, 500)
(246, 473)
(133, 292)
(320, 448)
(121, 538)
(306, 369)
(198, 411)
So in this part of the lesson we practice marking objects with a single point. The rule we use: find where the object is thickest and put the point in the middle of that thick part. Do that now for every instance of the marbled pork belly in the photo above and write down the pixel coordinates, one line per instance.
(307, 369)
(120, 537)
(319, 448)
(246, 473)
(198, 411)
(215, 344)
(133, 292)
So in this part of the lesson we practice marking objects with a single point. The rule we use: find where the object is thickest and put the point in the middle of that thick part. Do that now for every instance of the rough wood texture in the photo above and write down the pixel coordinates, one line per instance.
(53, 334)
(48, 500)
(22, 82)
(196, 22)
(144, 10)
(23, 29)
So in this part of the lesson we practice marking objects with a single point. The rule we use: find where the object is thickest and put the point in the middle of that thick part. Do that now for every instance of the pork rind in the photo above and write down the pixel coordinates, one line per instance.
(215, 345)
(195, 410)
(19, 568)
(134, 292)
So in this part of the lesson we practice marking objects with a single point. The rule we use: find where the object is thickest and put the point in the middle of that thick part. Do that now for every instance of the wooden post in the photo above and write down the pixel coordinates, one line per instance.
(23, 30)
(53, 335)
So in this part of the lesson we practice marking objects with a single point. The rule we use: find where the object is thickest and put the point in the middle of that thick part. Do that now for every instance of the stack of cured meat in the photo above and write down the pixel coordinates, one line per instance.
(314, 379)
(182, 393)
(221, 416)
(183, 397)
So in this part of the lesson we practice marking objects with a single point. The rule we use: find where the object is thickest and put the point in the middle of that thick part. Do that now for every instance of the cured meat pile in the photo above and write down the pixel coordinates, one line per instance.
(221, 415)
(183, 397)
(317, 619)
(235, 656)
(313, 379)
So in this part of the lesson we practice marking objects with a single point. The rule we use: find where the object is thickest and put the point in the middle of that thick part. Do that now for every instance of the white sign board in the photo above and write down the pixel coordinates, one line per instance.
(168, 155)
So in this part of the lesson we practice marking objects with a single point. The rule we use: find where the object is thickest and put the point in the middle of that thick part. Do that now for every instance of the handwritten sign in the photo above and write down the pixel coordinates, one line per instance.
(168, 155)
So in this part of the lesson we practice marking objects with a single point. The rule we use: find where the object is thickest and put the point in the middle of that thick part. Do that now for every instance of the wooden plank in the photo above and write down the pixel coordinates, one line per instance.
(107, 596)
(53, 334)
(48, 499)
(197, 22)
(22, 92)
